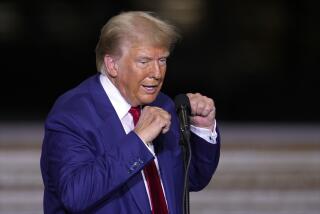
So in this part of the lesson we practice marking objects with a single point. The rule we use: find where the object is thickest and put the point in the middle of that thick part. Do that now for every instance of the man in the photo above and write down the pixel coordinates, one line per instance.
(100, 155)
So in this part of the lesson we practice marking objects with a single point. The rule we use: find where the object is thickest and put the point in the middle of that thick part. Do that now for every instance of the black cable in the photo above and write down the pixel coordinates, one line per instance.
(186, 148)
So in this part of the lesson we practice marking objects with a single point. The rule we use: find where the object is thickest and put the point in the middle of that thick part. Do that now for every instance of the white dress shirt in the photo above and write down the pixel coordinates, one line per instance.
(122, 108)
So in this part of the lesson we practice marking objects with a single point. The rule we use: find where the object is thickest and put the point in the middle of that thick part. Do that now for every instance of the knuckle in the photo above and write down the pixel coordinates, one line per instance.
(208, 109)
(201, 104)
(146, 108)
(210, 101)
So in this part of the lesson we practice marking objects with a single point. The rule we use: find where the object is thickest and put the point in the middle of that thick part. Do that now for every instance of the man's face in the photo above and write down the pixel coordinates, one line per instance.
(140, 72)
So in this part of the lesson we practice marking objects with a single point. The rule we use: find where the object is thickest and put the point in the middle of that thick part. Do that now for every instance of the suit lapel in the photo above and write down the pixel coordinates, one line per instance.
(112, 125)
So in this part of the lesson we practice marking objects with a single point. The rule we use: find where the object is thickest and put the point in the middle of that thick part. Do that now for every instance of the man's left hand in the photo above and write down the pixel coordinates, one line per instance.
(203, 111)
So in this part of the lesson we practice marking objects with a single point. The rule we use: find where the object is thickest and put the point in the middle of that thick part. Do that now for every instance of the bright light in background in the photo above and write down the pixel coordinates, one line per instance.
(186, 14)
(10, 22)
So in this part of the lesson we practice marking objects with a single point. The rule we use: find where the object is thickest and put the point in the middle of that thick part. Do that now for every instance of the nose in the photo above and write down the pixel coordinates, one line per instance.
(156, 70)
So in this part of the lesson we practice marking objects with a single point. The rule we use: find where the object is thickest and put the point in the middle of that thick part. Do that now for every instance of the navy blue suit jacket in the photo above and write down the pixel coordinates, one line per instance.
(90, 165)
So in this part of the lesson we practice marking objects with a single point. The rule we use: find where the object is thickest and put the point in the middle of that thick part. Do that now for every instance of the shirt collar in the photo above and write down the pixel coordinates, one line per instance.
(118, 102)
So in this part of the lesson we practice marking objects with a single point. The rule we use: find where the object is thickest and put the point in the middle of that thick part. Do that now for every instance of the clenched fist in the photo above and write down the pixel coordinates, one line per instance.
(203, 111)
(152, 122)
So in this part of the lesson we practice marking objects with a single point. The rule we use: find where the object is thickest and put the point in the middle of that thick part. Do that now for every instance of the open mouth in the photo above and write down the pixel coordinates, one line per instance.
(150, 88)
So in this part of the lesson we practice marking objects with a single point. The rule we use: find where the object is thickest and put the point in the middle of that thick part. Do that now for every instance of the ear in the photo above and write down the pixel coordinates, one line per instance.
(111, 65)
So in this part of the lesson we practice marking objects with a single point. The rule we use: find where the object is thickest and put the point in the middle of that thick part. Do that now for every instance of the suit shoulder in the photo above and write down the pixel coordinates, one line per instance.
(164, 101)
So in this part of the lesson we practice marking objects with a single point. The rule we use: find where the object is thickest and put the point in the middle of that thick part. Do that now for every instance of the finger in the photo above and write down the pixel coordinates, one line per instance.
(166, 128)
(211, 115)
(193, 103)
(164, 131)
(166, 118)
(201, 105)
(208, 108)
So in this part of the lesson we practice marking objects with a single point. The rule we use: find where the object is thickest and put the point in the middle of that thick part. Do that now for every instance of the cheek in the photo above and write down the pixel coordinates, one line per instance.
(133, 83)
(164, 71)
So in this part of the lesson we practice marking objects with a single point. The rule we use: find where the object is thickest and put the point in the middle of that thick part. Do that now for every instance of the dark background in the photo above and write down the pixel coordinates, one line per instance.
(259, 60)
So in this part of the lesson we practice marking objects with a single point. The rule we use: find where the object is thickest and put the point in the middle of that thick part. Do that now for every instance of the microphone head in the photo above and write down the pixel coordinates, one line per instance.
(182, 101)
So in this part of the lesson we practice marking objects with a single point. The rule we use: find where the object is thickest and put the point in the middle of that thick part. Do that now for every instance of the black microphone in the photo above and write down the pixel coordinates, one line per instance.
(183, 109)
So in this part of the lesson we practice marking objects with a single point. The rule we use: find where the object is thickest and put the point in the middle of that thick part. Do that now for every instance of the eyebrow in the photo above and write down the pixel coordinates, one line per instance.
(144, 57)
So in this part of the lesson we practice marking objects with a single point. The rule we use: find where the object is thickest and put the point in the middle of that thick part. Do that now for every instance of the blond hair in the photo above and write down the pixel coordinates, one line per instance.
(131, 27)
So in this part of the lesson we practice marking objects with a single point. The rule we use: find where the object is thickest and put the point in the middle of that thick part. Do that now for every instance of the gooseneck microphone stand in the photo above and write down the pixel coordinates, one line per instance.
(186, 150)
(182, 104)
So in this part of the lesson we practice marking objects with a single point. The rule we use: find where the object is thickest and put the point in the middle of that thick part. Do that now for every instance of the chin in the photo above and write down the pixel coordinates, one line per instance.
(147, 99)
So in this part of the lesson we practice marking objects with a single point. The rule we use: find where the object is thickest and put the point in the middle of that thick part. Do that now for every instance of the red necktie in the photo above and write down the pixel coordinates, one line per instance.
(158, 203)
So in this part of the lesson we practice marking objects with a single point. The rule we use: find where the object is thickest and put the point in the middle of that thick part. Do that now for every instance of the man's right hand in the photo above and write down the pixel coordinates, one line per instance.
(152, 122)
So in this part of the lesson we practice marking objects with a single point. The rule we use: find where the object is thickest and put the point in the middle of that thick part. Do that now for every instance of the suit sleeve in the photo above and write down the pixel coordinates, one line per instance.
(204, 162)
(204, 159)
(81, 171)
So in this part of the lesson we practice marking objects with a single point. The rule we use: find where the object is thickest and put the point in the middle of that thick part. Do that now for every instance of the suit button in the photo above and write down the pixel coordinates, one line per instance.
(133, 167)
(135, 164)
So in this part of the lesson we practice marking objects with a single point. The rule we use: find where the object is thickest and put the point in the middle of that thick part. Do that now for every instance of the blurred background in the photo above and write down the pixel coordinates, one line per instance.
(259, 60)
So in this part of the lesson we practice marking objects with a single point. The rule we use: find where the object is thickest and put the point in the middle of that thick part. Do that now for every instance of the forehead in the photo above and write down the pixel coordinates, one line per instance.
(145, 49)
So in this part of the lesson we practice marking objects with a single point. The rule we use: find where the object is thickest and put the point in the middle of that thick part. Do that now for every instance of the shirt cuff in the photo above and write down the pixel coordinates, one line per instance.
(208, 135)
(149, 146)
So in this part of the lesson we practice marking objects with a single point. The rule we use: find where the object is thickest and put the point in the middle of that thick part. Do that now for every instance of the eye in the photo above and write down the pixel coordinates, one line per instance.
(143, 61)
(163, 61)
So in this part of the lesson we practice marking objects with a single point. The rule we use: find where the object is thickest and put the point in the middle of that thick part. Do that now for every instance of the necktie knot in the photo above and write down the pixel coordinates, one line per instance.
(135, 112)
